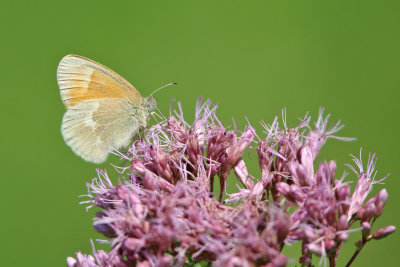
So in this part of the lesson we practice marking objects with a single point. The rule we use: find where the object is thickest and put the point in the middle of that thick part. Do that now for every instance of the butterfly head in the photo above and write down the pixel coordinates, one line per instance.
(150, 103)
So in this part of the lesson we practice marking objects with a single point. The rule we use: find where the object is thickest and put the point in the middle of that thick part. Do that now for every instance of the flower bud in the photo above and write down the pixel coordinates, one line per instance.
(343, 236)
(133, 243)
(315, 248)
(367, 212)
(310, 234)
(326, 172)
(258, 189)
(342, 191)
(384, 232)
(297, 193)
(342, 223)
(380, 200)
(71, 262)
(131, 198)
(366, 230)
(300, 174)
(329, 244)
(105, 229)
(148, 182)
(143, 264)
(285, 190)
(242, 174)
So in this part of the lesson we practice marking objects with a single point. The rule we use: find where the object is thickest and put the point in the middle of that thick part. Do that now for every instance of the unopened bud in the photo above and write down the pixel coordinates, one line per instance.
(148, 182)
(384, 232)
(366, 229)
(71, 262)
(105, 229)
(367, 212)
(315, 248)
(284, 189)
(310, 234)
(329, 244)
(342, 191)
(297, 193)
(143, 264)
(343, 236)
(342, 223)
(133, 243)
(380, 201)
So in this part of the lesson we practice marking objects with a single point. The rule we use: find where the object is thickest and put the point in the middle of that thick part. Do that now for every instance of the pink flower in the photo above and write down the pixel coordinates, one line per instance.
(163, 211)
(364, 183)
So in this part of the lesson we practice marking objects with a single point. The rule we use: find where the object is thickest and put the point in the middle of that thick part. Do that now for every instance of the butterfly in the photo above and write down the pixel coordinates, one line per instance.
(104, 111)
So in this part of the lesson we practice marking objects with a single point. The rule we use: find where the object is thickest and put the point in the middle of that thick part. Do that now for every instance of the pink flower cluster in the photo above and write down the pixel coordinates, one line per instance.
(164, 212)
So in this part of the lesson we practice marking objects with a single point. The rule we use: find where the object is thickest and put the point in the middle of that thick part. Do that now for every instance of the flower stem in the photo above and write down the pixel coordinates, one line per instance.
(355, 255)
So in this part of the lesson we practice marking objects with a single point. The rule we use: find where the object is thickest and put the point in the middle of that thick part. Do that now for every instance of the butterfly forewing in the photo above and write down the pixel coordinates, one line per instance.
(82, 79)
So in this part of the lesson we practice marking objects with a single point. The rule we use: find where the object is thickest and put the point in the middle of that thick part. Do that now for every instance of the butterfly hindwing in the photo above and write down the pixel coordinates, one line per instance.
(92, 128)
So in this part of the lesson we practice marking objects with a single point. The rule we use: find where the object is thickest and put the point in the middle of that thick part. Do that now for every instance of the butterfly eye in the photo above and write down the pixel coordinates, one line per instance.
(150, 103)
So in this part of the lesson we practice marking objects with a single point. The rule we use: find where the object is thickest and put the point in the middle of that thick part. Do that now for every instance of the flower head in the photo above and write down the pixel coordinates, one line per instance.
(164, 213)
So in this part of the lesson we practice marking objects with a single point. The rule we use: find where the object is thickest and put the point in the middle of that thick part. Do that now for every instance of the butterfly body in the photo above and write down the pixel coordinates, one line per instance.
(103, 112)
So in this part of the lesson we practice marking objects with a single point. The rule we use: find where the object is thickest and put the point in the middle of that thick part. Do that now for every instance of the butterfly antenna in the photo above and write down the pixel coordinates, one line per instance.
(162, 87)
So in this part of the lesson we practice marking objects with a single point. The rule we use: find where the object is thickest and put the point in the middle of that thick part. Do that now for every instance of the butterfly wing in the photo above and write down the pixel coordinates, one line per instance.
(92, 128)
(83, 79)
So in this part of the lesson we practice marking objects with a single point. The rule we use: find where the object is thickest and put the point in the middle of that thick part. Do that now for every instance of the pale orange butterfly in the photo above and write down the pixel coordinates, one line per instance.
(104, 111)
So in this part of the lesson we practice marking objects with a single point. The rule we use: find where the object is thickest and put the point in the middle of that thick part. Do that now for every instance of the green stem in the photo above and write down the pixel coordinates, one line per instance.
(355, 255)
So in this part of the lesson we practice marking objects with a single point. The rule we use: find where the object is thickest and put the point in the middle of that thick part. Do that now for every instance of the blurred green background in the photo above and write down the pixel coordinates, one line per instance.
(251, 57)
